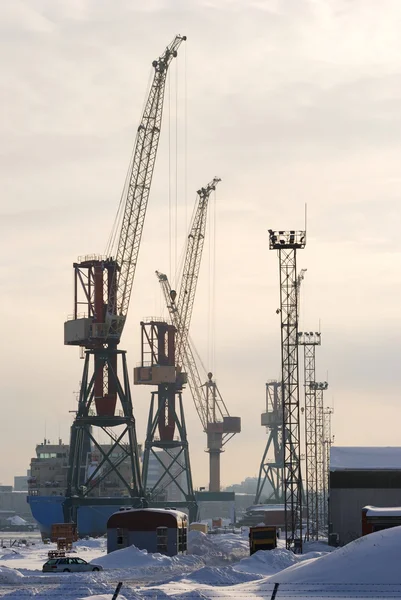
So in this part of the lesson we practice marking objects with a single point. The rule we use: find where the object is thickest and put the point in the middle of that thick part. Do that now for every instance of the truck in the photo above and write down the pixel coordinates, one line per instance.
(262, 538)
(64, 534)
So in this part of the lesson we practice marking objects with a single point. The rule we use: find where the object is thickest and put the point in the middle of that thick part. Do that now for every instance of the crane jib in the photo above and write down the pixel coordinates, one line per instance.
(137, 190)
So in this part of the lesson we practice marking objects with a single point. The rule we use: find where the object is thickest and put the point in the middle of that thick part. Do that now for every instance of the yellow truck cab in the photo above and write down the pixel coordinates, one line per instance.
(262, 538)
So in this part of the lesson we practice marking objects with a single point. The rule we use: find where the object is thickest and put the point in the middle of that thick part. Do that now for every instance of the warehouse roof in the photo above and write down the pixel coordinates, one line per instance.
(365, 458)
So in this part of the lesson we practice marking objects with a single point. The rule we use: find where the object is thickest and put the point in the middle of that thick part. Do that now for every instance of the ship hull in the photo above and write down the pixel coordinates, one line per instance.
(92, 520)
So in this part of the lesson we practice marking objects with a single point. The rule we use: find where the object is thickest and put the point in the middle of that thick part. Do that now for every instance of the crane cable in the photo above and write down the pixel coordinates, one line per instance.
(185, 138)
(211, 341)
(169, 172)
(214, 334)
(173, 144)
(111, 242)
(176, 173)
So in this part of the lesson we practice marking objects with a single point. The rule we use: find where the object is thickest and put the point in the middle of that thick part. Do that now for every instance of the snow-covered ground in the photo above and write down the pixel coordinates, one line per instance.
(216, 566)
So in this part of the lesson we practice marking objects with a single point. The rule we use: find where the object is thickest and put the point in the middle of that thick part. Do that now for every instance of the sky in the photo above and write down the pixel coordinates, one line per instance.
(290, 102)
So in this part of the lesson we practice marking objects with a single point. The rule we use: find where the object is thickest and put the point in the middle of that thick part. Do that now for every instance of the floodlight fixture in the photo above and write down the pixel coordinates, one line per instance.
(290, 239)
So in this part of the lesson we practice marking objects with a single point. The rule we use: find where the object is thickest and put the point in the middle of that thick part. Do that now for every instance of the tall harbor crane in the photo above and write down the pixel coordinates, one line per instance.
(102, 292)
(212, 411)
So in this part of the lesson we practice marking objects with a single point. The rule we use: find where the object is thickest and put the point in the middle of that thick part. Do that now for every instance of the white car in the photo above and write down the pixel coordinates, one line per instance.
(69, 565)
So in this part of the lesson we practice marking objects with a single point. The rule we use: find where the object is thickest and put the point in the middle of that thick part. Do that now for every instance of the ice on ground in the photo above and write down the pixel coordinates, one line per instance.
(374, 558)
(8, 575)
(218, 576)
(102, 597)
(267, 562)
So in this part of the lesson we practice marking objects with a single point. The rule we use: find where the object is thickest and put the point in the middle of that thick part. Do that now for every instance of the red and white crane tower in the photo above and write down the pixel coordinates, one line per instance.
(102, 292)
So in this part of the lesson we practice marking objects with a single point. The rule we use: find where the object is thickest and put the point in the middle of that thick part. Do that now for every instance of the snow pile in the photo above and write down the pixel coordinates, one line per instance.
(227, 547)
(132, 557)
(17, 520)
(373, 559)
(13, 555)
(91, 544)
(10, 575)
(131, 561)
(316, 548)
(267, 562)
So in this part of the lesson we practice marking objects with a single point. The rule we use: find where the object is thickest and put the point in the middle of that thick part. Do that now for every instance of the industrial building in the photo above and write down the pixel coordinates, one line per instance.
(360, 476)
(155, 530)
(21, 482)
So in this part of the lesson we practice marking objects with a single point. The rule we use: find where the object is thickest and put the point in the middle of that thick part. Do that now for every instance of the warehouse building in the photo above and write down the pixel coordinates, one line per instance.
(360, 476)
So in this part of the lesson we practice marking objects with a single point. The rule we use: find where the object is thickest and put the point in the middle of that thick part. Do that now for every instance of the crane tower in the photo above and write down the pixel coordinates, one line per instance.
(219, 426)
(271, 471)
(287, 243)
(102, 291)
(166, 435)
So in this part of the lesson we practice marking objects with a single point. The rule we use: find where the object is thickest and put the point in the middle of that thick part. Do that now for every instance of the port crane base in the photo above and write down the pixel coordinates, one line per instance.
(94, 467)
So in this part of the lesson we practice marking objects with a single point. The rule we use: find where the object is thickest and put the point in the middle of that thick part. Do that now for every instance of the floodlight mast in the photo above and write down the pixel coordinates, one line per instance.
(309, 340)
(328, 442)
(320, 387)
(287, 243)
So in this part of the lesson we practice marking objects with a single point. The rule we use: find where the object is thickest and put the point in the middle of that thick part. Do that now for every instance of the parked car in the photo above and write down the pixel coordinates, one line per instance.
(69, 565)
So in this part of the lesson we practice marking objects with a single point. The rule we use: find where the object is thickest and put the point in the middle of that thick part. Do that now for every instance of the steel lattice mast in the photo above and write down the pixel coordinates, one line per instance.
(309, 340)
(272, 470)
(328, 441)
(320, 387)
(287, 243)
(211, 408)
(102, 291)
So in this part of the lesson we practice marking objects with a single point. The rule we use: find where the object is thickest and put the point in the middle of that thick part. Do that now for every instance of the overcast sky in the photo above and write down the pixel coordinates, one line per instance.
(289, 102)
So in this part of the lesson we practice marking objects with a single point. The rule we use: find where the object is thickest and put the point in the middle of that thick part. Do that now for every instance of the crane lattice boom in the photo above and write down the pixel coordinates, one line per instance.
(136, 193)
(188, 359)
(193, 257)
